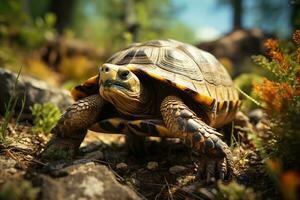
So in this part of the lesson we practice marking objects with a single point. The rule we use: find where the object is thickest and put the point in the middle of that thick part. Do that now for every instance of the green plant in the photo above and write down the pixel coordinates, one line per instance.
(235, 191)
(14, 190)
(280, 99)
(18, 26)
(244, 84)
(45, 117)
(10, 111)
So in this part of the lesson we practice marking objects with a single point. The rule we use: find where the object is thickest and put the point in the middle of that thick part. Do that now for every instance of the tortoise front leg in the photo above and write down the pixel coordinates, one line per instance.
(184, 124)
(72, 126)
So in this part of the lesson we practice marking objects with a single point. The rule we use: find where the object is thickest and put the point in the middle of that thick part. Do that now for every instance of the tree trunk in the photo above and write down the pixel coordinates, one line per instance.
(295, 16)
(63, 9)
(237, 7)
(131, 23)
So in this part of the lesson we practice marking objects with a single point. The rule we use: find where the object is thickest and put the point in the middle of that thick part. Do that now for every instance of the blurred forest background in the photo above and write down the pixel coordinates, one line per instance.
(63, 41)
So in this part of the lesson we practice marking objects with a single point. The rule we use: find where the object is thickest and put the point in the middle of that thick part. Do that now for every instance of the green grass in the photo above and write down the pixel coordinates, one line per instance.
(10, 111)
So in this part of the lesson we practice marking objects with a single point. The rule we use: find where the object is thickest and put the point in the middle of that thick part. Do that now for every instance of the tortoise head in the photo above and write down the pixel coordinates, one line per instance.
(121, 87)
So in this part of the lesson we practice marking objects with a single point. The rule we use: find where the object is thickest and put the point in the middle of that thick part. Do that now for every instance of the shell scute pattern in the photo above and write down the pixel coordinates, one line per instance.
(182, 64)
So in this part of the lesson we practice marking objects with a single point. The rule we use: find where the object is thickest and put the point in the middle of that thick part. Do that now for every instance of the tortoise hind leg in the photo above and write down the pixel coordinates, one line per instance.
(139, 129)
(110, 125)
(135, 131)
(72, 127)
(135, 142)
(184, 123)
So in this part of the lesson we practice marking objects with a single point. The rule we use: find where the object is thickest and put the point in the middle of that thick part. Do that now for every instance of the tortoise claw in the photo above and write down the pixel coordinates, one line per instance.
(222, 168)
(212, 168)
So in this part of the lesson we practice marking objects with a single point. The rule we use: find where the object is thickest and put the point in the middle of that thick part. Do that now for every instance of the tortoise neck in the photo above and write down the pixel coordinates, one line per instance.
(141, 106)
(145, 103)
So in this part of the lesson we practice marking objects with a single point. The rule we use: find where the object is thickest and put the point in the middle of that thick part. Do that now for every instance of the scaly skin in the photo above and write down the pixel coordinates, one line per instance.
(184, 124)
(178, 121)
(73, 124)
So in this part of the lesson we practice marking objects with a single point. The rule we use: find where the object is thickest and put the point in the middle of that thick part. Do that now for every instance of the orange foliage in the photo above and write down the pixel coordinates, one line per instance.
(271, 44)
(296, 37)
(276, 55)
(280, 99)
(298, 76)
(274, 166)
(298, 55)
(290, 181)
(275, 95)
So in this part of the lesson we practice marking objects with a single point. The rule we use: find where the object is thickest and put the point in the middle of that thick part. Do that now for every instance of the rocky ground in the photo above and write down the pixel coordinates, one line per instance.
(103, 169)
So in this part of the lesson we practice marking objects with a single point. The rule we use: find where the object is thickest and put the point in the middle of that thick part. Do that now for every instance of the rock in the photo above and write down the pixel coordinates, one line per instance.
(91, 146)
(84, 181)
(96, 155)
(122, 166)
(6, 162)
(152, 166)
(242, 120)
(238, 46)
(12, 170)
(37, 91)
(262, 127)
(59, 48)
(177, 169)
(256, 116)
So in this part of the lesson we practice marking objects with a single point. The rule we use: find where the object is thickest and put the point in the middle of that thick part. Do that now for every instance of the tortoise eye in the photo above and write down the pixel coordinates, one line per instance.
(123, 73)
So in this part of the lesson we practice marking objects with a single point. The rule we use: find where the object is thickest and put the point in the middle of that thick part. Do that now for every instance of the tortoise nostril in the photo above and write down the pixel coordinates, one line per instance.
(104, 69)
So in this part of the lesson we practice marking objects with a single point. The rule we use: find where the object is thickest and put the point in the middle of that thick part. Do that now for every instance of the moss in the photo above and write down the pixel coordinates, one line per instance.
(14, 190)
(235, 191)
(54, 153)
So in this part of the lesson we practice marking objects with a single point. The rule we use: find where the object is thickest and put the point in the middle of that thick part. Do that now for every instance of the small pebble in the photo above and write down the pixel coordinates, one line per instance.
(152, 165)
(11, 130)
(135, 181)
(27, 140)
(41, 138)
(177, 169)
(122, 166)
(12, 170)
(29, 157)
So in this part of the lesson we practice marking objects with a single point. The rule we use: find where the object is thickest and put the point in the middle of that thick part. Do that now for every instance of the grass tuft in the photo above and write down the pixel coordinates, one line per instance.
(10, 111)
(45, 117)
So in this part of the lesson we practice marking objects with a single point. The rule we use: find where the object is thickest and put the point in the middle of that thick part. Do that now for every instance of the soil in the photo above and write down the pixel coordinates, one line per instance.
(166, 171)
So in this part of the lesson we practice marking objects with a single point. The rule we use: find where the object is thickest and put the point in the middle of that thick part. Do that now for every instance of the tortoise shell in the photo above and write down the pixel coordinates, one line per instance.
(187, 68)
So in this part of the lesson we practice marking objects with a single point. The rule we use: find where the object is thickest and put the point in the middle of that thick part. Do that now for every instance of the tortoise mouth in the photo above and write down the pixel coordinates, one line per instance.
(117, 84)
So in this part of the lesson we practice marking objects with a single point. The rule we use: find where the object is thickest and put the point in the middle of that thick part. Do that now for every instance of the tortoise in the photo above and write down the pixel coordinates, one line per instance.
(162, 88)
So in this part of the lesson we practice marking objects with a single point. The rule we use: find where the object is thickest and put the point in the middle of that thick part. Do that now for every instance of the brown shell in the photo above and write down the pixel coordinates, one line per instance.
(187, 68)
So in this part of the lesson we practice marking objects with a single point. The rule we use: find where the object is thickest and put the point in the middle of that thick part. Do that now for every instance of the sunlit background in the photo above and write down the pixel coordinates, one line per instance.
(68, 39)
